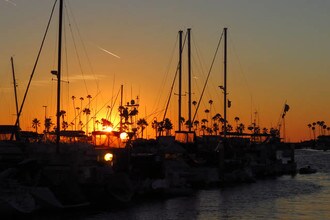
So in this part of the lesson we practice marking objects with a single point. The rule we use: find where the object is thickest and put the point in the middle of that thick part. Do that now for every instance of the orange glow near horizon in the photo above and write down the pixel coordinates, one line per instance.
(270, 62)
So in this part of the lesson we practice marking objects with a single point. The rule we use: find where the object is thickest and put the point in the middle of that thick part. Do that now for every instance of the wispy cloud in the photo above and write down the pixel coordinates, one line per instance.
(11, 2)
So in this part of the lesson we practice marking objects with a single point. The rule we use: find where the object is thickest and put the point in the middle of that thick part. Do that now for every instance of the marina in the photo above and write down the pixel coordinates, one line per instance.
(194, 152)
(286, 197)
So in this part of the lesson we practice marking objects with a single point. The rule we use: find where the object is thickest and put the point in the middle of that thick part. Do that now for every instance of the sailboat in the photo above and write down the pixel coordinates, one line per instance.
(66, 175)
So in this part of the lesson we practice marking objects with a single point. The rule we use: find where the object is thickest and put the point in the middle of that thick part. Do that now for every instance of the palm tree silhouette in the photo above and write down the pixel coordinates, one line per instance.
(81, 109)
(210, 102)
(106, 123)
(264, 130)
(48, 124)
(204, 126)
(35, 124)
(87, 112)
(62, 115)
(182, 120)
(216, 128)
(133, 112)
(196, 124)
(74, 110)
(97, 122)
(241, 128)
(65, 125)
(154, 125)
(313, 129)
(309, 129)
(236, 120)
(168, 126)
(194, 104)
(207, 115)
(324, 127)
(142, 123)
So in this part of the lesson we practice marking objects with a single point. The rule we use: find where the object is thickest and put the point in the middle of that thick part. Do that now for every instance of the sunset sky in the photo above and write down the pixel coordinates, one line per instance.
(278, 51)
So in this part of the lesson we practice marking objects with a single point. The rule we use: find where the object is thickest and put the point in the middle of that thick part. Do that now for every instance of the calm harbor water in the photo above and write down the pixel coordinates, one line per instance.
(286, 197)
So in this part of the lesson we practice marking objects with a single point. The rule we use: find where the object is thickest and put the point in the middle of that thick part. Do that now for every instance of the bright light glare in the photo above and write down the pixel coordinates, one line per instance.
(124, 136)
(108, 129)
(108, 157)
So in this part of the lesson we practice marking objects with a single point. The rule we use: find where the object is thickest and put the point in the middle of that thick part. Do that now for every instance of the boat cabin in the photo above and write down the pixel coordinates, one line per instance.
(185, 137)
(112, 139)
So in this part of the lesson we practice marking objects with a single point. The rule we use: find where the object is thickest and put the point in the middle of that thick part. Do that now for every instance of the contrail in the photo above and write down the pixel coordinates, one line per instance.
(108, 52)
(13, 3)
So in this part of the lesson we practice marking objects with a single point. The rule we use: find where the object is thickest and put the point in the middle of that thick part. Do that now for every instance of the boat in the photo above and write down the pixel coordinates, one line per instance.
(307, 170)
(63, 169)
(232, 157)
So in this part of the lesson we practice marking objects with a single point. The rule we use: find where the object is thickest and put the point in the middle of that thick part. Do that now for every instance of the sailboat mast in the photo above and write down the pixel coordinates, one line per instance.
(189, 80)
(225, 84)
(121, 106)
(180, 78)
(15, 90)
(58, 126)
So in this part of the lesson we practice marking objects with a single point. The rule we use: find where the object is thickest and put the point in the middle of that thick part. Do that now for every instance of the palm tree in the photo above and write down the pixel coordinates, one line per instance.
(87, 111)
(154, 125)
(216, 128)
(251, 127)
(65, 125)
(105, 123)
(203, 128)
(313, 129)
(89, 100)
(274, 132)
(324, 128)
(74, 110)
(204, 121)
(48, 124)
(182, 120)
(236, 120)
(168, 126)
(142, 123)
(241, 128)
(196, 123)
(81, 108)
(216, 117)
(62, 115)
(97, 122)
(229, 128)
(81, 100)
(320, 124)
(35, 124)
(210, 102)
(309, 129)
(188, 124)
(264, 130)
(194, 104)
(132, 113)
(207, 114)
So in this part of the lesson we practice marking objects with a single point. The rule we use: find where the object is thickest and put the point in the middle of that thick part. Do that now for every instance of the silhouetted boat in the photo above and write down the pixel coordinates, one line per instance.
(307, 170)
(64, 170)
